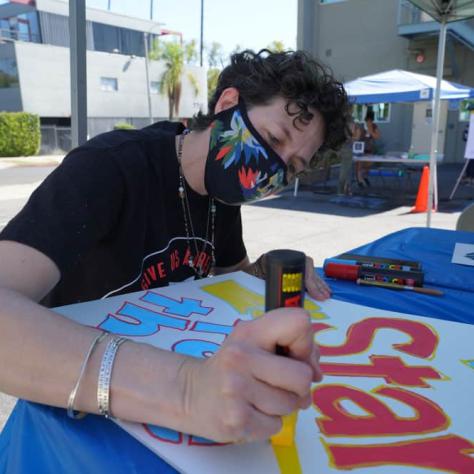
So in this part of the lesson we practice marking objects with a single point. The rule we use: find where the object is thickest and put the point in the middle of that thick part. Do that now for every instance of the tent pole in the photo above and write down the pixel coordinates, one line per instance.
(436, 119)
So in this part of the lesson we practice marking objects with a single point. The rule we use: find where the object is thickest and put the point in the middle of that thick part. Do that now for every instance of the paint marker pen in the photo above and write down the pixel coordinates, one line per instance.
(394, 286)
(284, 287)
(342, 271)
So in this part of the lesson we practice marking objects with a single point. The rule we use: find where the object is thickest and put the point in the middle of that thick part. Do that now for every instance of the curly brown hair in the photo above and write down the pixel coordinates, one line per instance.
(293, 75)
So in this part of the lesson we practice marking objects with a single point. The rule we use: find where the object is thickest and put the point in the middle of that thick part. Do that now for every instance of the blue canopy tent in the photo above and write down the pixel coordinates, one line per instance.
(398, 85)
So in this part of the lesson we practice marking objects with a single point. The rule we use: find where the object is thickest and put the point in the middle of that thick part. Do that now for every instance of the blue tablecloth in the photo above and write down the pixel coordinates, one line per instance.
(43, 439)
(434, 249)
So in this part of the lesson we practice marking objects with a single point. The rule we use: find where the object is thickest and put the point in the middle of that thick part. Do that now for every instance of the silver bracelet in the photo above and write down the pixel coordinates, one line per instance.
(71, 413)
(105, 374)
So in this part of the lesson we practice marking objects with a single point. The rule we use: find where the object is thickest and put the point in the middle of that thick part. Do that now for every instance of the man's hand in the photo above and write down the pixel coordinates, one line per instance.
(241, 392)
(315, 285)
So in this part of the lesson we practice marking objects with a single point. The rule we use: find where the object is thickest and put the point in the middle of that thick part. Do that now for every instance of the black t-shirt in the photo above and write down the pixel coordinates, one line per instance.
(111, 219)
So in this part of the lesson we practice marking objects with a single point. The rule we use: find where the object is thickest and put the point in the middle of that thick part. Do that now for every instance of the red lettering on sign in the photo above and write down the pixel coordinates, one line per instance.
(360, 336)
(392, 369)
(449, 453)
(379, 419)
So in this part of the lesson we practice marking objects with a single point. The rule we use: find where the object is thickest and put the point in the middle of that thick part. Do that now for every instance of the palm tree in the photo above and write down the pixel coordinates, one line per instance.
(215, 58)
(175, 56)
(276, 46)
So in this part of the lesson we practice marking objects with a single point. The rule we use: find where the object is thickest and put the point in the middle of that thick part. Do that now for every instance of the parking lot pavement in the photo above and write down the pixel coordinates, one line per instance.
(321, 229)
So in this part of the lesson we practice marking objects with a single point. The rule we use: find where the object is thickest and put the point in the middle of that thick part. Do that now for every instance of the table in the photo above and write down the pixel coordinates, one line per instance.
(434, 249)
(417, 163)
(43, 439)
(396, 163)
(391, 160)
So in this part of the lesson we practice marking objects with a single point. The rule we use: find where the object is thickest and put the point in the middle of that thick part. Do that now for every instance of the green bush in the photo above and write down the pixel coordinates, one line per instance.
(19, 134)
(123, 126)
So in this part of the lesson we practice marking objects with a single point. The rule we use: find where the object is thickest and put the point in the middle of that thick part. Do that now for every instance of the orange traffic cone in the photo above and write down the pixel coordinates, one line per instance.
(421, 203)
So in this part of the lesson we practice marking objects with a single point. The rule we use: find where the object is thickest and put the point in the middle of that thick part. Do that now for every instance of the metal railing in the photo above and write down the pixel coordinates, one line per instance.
(413, 21)
(409, 14)
(15, 35)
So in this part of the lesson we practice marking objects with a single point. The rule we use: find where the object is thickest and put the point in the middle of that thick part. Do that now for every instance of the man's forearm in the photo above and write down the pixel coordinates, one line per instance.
(42, 352)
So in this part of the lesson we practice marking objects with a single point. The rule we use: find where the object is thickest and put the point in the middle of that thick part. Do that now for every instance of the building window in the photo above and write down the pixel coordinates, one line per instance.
(55, 29)
(381, 112)
(155, 87)
(465, 107)
(110, 39)
(109, 84)
(8, 73)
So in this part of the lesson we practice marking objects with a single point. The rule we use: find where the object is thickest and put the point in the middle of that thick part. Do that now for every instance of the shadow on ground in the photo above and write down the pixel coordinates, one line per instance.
(381, 196)
(308, 201)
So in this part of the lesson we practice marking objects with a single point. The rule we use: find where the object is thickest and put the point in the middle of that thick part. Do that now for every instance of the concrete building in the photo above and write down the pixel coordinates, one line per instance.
(360, 37)
(35, 77)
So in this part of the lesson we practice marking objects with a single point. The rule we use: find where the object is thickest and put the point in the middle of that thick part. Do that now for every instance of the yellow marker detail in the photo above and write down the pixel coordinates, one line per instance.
(292, 282)
(286, 436)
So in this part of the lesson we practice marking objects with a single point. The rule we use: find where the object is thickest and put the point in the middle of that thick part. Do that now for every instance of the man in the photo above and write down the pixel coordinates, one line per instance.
(140, 209)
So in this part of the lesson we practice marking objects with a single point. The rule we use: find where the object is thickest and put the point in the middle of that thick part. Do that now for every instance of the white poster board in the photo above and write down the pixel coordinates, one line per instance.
(397, 394)
(469, 153)
(463, 254)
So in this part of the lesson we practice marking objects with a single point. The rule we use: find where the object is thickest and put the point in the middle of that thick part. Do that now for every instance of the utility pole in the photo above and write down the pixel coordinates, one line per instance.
(151, 10)
(202, 33)
(78, 71)
(109, 5)
(147, 73)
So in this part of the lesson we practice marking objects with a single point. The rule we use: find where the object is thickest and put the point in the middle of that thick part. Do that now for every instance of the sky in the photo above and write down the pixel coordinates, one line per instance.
(248, 23)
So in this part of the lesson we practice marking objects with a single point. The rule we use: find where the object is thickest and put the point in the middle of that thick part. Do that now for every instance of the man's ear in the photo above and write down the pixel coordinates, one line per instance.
(228, 98)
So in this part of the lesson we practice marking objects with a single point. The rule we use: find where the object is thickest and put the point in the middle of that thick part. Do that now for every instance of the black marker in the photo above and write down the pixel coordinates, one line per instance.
(284, 288)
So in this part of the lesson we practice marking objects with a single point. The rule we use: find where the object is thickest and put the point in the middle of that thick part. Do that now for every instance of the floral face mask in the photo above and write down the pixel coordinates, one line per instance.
(240, 166)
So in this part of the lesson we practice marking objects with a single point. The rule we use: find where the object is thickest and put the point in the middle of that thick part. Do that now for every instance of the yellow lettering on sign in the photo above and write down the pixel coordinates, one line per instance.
(287, 459)
(314, 310)
(243, 300)
(246, 301)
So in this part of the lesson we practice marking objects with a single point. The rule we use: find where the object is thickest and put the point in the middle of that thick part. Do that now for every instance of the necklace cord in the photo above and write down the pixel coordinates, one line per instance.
(188, 220)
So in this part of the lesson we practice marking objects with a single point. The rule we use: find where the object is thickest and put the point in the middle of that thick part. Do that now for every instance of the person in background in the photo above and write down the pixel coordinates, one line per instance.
(371, 132)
